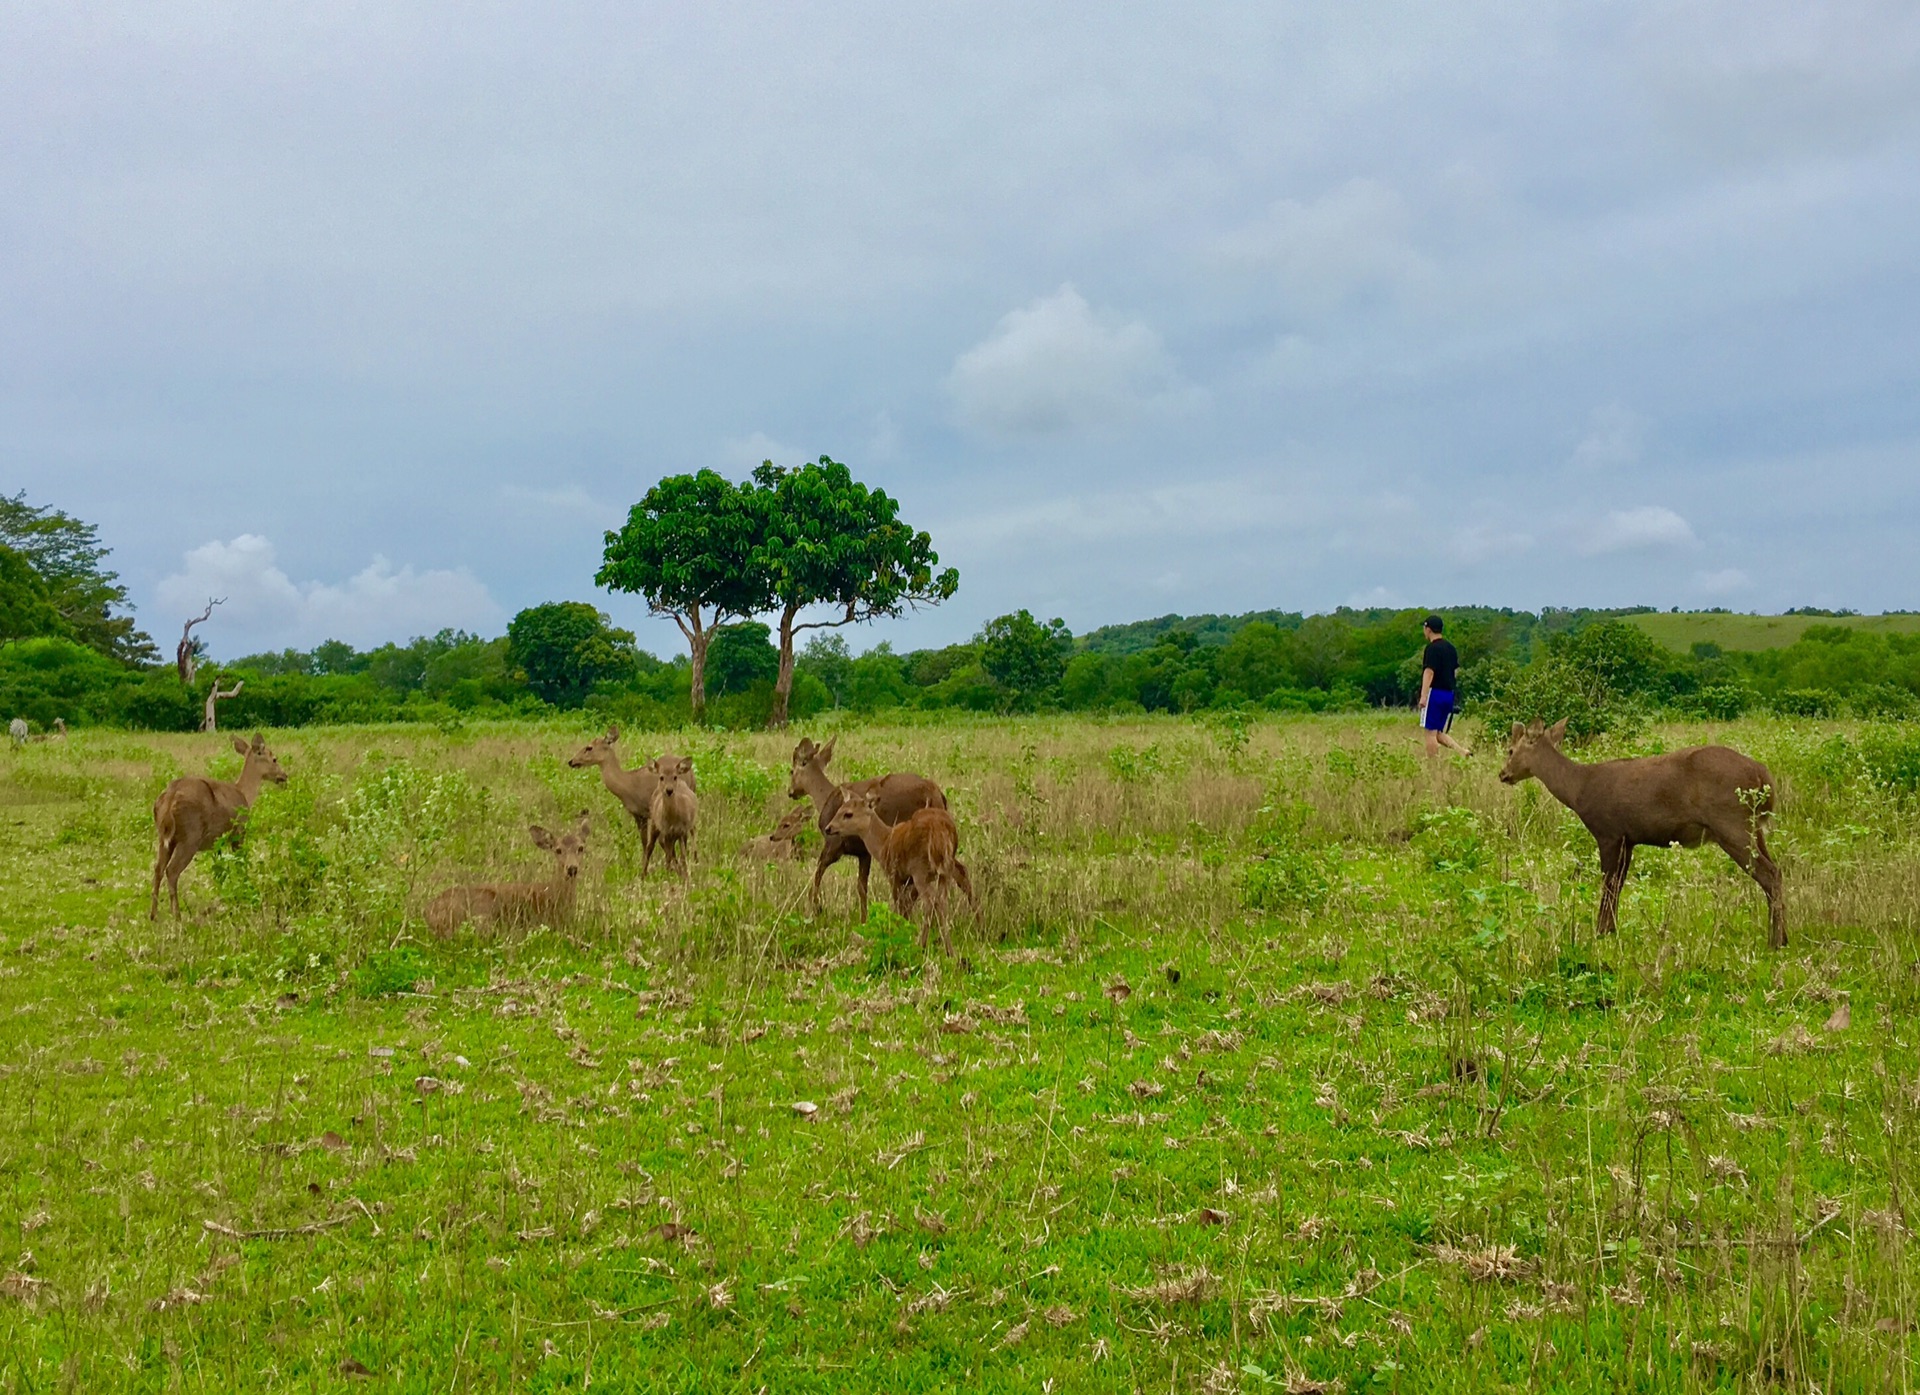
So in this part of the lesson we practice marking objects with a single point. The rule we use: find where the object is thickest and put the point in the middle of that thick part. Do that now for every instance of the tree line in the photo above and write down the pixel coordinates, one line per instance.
(812, 550)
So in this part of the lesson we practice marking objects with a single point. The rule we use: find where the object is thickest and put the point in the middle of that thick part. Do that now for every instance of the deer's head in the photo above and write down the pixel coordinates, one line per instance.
(569, 849)
(1526, 744)
(676, 778)
(596, 752)
(808, 758)
(854, 810)
(257, 757)
(789, 827)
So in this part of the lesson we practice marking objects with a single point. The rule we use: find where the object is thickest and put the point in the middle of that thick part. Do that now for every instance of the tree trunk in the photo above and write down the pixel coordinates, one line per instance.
(783, 681)
(697, 642)
(214, 695)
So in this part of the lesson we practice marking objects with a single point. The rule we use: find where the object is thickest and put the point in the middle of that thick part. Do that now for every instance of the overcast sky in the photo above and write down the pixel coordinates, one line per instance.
(372, 318)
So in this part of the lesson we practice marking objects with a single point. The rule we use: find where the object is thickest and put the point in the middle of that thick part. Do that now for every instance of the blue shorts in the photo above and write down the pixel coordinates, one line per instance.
(1439, 711)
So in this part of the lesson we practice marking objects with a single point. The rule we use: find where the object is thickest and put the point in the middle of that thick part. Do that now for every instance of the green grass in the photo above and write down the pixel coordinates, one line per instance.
(1402, 1127)
(1748, 633)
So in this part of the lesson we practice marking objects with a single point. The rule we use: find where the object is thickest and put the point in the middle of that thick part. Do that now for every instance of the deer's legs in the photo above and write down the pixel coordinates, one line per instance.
(1752, 858)
(966, 883)
(176, 864)
(866, 868)
(831, 851)
(1615, 858)
(159, 871)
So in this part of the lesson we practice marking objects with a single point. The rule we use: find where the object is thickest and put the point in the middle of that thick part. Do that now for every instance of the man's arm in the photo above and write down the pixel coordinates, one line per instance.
(1426, 686)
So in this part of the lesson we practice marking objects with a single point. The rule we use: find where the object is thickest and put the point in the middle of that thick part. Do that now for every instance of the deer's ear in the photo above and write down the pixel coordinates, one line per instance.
(826, 751)
(613, 732)
(259, 742)
(240, 745)
(1557, 731)
(804, 750)
(584, 821)
(541, 838)
(1517, 732)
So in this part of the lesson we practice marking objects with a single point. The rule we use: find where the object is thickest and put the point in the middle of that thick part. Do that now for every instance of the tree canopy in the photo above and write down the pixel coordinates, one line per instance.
(828, 540)
(1024, 656)
(565, 647)
(68, 558)
(688, 549)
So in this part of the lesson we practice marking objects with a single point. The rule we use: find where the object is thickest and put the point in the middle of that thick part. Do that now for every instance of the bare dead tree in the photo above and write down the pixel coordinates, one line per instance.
(215, 695)
(185, 662)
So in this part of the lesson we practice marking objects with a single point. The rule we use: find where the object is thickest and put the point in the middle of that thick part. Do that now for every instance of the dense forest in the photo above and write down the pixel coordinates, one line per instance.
(69, 649)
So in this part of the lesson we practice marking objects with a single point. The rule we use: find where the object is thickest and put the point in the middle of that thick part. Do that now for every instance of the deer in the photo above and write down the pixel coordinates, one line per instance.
(517, 903)
(194, 812)
(782, 844)
(670, 819)
(1683, 798)
(18, 729)
(633, 788)
(920, 856)
(895, 798)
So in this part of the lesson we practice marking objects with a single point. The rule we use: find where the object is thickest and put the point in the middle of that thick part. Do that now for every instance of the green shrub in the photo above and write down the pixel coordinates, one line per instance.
(1890, 757)
(1452, 840)
(1285, 874)
(1808, 702)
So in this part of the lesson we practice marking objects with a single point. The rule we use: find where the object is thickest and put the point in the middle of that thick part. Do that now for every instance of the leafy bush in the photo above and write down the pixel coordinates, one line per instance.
(1452, 840)
(1890, 757)
(1285, 874)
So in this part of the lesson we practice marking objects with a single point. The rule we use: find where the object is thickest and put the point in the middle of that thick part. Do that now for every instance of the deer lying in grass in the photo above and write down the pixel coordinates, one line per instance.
(1682, 798)
(920, 856)
(517, 903)
(671, 818)
(895, 798)
(194, 812)
(633, 788)
(781, 845)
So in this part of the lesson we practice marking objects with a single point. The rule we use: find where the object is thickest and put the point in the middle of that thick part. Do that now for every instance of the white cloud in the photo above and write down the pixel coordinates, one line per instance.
(1723, 582)
(266, 609)
(1615, 436)
(1376, 598)
(1649, 528)
(1056, 365)
(1348, 242)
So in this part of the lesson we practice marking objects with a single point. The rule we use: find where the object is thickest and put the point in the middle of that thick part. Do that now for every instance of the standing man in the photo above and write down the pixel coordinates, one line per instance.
(1440, 662)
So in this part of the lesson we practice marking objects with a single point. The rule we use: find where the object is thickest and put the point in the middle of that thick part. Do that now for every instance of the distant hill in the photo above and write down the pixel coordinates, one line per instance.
(1752, 633)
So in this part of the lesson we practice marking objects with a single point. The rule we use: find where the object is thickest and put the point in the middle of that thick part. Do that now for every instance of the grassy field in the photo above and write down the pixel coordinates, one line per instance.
(1754, 632)
(1276, 1059)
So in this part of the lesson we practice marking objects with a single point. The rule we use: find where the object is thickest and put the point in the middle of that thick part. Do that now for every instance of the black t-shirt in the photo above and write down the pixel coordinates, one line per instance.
(1444, 660)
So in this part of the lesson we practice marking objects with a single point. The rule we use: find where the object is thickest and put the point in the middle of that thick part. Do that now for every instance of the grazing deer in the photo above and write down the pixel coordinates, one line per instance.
(517, 903)
(1682, 798)
(895, 798)
(17, 729)
(633, 788)
(194, 812)
(671, 819)
(920, 856)
(781, 845)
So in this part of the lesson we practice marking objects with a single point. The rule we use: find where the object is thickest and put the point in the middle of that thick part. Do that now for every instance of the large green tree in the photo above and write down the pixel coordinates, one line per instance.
(565, 647)
(70, 560)
(688, 548)
(26, 611)
(1024, 656)
(827, 540)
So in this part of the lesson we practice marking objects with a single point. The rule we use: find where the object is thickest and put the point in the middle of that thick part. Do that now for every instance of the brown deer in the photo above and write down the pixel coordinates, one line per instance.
(920, 856)
(194, 812)
(1682, 798)
(633, 788)
(782, 844)
(517, 903)
(671, 819)
(895, 798)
